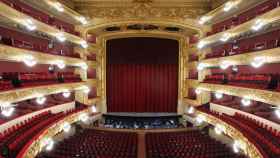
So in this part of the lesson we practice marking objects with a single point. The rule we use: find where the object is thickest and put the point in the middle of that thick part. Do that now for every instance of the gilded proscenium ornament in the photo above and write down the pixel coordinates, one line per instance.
(17, 54)
(270, 56)
(52, 131)
(265, 96)
(249, 148)
(17, 95)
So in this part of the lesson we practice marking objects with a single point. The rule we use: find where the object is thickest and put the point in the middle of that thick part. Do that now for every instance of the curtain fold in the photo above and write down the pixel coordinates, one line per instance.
(142, 87)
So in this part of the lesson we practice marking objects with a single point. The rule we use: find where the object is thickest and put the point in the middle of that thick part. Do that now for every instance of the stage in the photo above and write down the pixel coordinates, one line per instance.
(141, 120)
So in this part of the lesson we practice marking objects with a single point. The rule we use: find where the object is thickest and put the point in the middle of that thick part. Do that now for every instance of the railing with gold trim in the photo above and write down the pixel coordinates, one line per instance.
(269, 55)
(270, 17)
(265, 96)
(17, 54)
(32, 149)
(20, 18)
(249, 148)
(21, 94)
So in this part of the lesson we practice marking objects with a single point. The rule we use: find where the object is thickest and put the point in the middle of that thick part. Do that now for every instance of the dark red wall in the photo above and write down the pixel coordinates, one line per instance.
(142, 75)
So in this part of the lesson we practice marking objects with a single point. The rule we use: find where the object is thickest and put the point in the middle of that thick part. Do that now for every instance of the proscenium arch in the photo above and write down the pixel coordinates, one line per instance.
(102, 40)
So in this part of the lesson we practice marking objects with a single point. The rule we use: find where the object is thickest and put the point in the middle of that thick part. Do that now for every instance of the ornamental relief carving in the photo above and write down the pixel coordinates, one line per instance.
(144, 10)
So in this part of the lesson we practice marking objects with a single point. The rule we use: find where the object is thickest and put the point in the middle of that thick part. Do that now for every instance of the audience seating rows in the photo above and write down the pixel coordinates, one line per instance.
(21, 134)
(192, 144)
(95, 143)
(256, 81)
(12, 80)
(41, 16)
(256, 43)
(29, 106)
(245, 16)
(25, 41)
(261, 135)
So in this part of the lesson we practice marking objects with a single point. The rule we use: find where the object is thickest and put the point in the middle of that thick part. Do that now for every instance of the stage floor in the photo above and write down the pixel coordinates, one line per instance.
(136, 114)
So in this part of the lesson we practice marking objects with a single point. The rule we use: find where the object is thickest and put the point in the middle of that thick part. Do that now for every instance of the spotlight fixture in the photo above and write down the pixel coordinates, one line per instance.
(204, 19)
(93, 109)
(259, 23)
(66, 127)
(246, 101)
(29, 61)
(58, 6)
(29, 25)
(258, 62)
(41, 100)
(84, 44)
(225, 37)
(66, 94)
(60, 37)
(218, 95)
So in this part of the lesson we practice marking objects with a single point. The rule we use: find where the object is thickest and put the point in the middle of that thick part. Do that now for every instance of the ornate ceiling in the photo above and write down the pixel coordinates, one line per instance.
(142, 8)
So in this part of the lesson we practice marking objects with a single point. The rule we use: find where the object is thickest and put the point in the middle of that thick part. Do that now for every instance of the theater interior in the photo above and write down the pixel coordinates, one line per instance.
(139, 79)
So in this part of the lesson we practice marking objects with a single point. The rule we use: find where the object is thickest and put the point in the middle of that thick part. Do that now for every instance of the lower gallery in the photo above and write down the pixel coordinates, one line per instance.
(139, 79)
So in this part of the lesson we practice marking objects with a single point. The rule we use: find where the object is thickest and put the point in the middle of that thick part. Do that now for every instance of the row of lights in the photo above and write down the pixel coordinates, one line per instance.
(48, 143)
(258, 24)
(30, 61)
(29, 24)
(7, 109)
(256, 63)
(227, 7)
(219, 129)
(245, 101)
(59, 7)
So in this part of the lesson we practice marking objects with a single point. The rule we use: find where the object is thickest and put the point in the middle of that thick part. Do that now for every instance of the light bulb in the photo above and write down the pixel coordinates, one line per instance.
(219, 129)
(66, 127)
(198, 91)
(84, 44)
(199, 119)
(60, 37)
(84, 66)
(58, 7)
(60, 64)
(29, 61)
(8, 111)
(93, 109)
(82, 20)
(201, 66)
(245, 101)
(191, 110)
(259, 23)
(236, 146)
(29, 25)
(225, 37)
(66, 94)
(225, 64)
(83, 117)
(228, 6)
(204, 19)
(258, 62)
(41, 100)
(277, 112)
(218, 95)
(201, 44)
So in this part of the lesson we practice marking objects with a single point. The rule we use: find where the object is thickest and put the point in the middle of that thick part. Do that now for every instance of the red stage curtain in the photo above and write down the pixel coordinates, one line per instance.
(142, 87)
